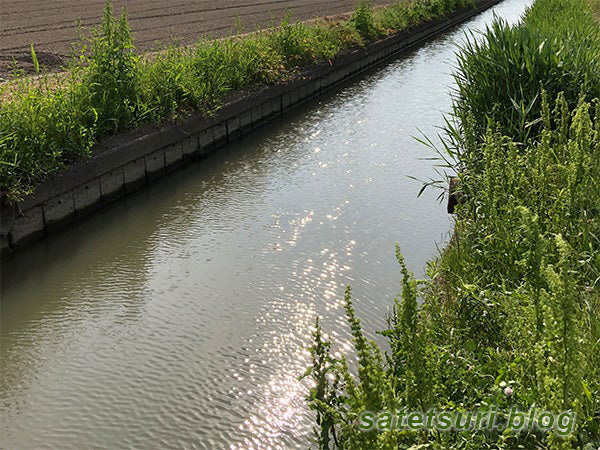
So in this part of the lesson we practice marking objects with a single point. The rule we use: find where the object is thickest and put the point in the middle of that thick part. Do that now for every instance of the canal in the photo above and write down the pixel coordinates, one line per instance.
(180, 316)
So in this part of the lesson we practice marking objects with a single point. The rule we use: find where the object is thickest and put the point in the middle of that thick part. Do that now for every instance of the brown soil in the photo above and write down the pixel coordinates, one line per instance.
(52, 26)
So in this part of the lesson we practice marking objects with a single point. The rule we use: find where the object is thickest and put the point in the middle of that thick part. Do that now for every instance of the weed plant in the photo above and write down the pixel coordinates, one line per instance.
(514, 299)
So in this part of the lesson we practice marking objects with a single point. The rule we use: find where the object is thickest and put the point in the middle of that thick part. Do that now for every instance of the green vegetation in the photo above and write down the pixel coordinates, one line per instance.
(595, 4)
(513, 302)
(50, 122)
(501, 77)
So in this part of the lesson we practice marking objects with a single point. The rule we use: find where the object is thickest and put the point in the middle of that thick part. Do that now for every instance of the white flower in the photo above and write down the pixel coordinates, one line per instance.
(503, 384)
(508, 391)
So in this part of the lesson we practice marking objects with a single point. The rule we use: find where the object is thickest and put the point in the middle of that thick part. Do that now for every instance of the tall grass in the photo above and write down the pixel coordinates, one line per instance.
(49, 123)
(514, 299)
(501, 77)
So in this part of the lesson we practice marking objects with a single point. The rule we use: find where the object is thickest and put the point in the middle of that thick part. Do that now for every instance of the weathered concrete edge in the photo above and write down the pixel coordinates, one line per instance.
(130, 160)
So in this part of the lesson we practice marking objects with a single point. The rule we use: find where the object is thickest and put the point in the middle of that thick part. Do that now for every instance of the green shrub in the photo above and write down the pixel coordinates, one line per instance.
(363, 21)
(111, 74)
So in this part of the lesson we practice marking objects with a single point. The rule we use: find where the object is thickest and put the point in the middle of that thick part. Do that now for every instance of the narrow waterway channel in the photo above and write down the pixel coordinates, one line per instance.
(180, 316)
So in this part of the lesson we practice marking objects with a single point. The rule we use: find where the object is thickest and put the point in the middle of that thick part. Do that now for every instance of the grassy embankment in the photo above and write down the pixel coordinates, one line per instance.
(47, 124)
(510, 313)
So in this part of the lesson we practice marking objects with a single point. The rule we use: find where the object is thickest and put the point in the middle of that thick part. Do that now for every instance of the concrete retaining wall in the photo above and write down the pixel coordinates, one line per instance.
(130, 160)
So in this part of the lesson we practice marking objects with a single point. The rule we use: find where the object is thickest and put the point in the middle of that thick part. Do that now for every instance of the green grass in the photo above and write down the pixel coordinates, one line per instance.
(514, 299)
(48, 123)
(501, 77)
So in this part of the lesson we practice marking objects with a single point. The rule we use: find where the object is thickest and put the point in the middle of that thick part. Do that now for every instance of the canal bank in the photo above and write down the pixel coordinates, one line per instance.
(128, 161)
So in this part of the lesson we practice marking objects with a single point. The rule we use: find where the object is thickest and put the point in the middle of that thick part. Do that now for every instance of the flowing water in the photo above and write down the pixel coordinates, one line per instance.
(180, 316)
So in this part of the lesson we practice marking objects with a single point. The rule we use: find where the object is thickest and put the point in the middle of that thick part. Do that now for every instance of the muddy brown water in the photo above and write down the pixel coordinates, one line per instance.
(180, 316)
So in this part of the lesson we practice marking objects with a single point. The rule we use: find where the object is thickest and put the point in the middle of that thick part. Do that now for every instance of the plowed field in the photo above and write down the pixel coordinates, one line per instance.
(52, 25)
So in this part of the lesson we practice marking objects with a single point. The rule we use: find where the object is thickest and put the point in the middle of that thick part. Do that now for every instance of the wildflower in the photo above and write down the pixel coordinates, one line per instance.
(508, 391)
(503, 384)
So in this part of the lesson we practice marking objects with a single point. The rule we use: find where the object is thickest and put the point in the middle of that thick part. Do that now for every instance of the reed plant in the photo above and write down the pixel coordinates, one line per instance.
(502, 73)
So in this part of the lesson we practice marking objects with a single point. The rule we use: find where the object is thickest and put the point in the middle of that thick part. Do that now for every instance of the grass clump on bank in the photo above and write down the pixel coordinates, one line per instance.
(509, 317)
(501, 77)
(49, 123)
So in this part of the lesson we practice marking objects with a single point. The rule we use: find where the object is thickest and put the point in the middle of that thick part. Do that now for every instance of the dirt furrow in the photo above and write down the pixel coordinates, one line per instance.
(52, 26)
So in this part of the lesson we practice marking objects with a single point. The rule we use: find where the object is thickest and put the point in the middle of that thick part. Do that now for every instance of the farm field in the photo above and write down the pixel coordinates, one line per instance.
(52, 26)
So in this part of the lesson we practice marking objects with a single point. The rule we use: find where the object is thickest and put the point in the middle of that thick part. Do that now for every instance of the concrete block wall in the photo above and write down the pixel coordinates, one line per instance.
(134, 159)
